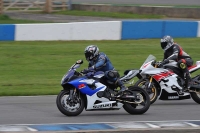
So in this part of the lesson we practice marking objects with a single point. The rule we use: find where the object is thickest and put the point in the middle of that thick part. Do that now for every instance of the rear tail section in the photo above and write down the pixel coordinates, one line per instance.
(194, 67)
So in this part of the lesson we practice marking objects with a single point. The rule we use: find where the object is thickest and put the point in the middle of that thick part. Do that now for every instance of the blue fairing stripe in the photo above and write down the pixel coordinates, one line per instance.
(83, 87)
(89, 91)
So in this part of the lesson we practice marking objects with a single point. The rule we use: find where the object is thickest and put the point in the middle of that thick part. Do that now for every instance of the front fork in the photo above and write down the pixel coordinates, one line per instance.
(72, 96)
(151, 79)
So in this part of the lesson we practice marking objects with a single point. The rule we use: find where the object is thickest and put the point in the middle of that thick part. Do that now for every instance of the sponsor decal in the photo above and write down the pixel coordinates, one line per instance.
(162, 75)
(102, 106)
(146, 65)
(81, 86)
(173, 97)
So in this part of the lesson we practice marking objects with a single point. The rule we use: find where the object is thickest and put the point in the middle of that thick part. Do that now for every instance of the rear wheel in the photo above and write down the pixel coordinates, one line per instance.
(152, 90)
(195, 96)
(69, 107)
(142, 103)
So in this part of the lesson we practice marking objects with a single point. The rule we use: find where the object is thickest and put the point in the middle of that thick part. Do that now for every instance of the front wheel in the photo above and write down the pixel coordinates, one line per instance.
(69, 107)
(141, 104)
(195, 96)
(153, 91)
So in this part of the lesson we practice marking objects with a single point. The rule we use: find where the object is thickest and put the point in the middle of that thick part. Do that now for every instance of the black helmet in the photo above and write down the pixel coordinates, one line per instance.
(91, 52)
(166, 42)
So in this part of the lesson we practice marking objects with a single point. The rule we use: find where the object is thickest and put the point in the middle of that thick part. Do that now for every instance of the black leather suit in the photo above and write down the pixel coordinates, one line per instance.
(176, 53)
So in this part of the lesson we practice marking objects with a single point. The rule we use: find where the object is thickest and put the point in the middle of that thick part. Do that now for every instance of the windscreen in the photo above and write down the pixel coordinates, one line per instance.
(149, 58)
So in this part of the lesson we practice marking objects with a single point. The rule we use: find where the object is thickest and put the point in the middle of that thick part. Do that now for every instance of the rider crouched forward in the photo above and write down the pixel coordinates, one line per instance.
(100, 62)
(173, 51)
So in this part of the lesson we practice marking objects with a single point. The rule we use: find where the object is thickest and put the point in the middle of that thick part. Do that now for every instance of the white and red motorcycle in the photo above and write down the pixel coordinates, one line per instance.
(166, 83)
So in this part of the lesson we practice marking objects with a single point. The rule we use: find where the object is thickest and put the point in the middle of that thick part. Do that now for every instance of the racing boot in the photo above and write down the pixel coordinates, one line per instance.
(122, 87)
(188, 81)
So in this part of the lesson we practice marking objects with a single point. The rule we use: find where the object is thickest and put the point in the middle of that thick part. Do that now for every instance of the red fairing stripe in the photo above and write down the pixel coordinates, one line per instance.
(146, 65)
(192, 67)
(162, 75)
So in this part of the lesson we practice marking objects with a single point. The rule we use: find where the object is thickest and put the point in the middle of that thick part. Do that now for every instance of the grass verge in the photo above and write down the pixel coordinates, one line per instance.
(109, 14)
(36, 68)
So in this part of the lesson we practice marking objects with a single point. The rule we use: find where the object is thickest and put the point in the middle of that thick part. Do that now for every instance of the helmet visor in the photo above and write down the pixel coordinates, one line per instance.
(163, 45)
(88, 56)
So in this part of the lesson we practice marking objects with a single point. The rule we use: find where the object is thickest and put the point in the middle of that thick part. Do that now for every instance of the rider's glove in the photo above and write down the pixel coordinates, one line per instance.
(161, 64)
(90, 69)
(90, 74)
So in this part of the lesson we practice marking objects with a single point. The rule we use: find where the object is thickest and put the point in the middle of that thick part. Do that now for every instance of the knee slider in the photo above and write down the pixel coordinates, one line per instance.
(111, 74)
(182, 65)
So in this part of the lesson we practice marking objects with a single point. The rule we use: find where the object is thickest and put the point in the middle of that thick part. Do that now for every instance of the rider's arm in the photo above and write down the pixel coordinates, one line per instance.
(100, 63)
(174, 56)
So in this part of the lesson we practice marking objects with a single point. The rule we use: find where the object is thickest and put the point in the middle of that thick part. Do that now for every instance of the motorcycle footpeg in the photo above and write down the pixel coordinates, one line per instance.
(181, 93)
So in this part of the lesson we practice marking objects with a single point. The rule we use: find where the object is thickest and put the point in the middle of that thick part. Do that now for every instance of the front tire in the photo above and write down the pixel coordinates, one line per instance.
(153, 92)
(142, 106)
(69, 108)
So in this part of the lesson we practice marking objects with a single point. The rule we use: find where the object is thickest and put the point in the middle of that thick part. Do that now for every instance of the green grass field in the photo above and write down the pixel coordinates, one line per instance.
(36, 68)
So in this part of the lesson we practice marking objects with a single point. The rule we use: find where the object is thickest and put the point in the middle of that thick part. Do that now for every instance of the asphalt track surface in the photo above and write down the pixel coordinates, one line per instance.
(43, 109)
(145, 2)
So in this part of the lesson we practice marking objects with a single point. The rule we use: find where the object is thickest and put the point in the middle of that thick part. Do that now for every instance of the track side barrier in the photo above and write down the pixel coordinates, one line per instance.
(102, 30)
(7, 32)
(198, 34)
(109, 30)
(156, 29)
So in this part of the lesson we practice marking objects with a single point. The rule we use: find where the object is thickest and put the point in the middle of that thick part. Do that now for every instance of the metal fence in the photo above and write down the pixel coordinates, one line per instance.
(34, 5)
(1, 6)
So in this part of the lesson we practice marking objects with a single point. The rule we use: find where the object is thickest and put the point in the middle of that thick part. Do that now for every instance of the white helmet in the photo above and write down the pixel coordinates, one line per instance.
(91, 52)
(166, 42)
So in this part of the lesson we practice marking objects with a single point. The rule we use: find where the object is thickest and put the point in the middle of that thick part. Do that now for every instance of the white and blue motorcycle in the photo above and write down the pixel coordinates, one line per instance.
(81, 91)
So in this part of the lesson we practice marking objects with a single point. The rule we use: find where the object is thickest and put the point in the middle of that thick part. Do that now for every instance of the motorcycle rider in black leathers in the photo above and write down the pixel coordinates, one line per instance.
(100, 62)
(173, 51)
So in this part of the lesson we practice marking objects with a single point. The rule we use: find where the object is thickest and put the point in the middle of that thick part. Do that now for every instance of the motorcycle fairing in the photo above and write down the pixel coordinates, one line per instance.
(82, 86)
(104, 103)
(164, 95)
(167, 93)
(163, 75)
(194, 67)
(151, 70)
(68, 75)
(168, 83)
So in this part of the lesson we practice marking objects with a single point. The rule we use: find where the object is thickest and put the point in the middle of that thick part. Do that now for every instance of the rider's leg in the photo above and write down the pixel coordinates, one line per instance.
(113, 76)
(183, 65)
(121, 85)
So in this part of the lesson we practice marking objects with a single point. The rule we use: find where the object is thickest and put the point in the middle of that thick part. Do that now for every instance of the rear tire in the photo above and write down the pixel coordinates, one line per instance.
(67, 109)
(195, 97)
(132, 108)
